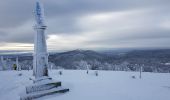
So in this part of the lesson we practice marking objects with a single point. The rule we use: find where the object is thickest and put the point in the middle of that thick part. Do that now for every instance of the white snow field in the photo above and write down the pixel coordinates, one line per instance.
(109, 85)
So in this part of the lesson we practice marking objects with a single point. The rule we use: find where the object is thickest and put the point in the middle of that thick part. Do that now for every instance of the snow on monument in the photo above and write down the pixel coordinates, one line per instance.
(42, 84)
(40, 47)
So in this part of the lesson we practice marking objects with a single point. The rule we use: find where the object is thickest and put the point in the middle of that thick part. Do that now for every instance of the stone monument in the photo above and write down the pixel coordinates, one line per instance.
(42, 84)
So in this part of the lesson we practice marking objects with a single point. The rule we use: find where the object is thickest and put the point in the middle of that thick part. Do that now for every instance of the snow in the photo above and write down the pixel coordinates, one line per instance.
(108, 85)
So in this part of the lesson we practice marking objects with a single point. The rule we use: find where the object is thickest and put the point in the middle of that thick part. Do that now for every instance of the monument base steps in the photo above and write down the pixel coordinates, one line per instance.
(39, 90)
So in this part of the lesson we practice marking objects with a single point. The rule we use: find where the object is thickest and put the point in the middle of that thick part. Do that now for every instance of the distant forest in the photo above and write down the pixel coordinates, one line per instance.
(149, 60)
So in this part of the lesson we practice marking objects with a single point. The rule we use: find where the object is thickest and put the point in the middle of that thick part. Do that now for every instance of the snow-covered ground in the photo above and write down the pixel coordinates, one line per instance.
(109, 85)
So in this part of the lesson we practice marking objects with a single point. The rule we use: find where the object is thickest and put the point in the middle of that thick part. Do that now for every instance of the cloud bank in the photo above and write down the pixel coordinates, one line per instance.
(87, 24)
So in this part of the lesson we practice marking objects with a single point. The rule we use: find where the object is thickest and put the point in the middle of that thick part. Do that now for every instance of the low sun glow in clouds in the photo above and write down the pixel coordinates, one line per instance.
(17, 46)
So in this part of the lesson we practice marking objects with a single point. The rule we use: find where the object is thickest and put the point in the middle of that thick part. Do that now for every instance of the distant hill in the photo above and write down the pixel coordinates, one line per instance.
(150, 60)
(67, 59)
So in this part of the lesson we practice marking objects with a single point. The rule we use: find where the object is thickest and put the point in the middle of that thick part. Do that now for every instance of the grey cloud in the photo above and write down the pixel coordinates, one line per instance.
(139, 36)
(61, 18)
(17, 38)
(2, 34)
(22, 38)
(62, 25)
(149, 34)
(15, 12)
(65, 7)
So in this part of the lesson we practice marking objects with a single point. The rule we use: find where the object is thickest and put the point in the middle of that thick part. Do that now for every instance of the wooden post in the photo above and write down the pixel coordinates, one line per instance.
(17, 64)
(140, 72)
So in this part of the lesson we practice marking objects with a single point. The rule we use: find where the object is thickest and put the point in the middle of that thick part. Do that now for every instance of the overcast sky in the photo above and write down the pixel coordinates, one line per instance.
(87, 24)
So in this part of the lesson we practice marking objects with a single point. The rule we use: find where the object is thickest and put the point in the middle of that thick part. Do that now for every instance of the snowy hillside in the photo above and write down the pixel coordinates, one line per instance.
(150, 60)
(109, 85)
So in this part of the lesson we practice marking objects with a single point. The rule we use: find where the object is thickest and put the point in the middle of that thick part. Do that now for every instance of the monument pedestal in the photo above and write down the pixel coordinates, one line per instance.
(41, 88)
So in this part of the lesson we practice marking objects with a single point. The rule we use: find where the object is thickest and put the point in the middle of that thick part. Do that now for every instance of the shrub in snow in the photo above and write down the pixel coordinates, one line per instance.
(15, 67)
(20, 74)
(96, 73)
(87, 72)
(133, 77)
(30, 78)
(60, 72)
